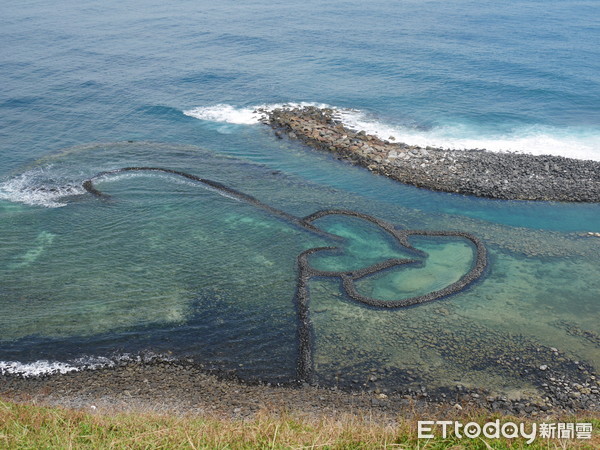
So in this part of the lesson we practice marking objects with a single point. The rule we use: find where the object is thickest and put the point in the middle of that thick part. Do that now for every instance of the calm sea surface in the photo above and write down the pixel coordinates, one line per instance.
(168, 268)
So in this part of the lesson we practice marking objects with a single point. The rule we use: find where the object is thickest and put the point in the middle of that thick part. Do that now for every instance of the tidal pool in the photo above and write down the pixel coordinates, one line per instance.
(177, 269)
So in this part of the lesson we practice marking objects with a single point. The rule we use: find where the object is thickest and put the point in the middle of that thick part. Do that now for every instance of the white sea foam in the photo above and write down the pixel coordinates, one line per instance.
(246, 115)
(225, 113)
(535, 139)
(29, 189)
(45, 367)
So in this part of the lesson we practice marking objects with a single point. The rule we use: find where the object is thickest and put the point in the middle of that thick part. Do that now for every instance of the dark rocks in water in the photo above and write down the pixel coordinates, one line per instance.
(190, 388)
(576, 331)
(567, 385)
(509, 176)
(306, 272)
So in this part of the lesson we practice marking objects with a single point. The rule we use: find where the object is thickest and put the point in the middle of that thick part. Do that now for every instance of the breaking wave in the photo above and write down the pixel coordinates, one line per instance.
(33, 188)
(247, 115)
(45, 367)
(572, 142)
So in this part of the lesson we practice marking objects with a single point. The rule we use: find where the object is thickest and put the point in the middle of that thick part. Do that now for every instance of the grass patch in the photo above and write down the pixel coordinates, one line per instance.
(37, 427)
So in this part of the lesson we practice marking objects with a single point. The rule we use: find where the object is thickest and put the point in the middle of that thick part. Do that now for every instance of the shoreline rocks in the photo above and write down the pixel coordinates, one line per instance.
(507, 176)
(184, 388)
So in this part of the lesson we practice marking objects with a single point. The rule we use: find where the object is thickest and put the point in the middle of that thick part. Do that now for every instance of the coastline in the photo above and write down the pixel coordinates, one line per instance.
(119, 421)
(481, 173)
(183, 388)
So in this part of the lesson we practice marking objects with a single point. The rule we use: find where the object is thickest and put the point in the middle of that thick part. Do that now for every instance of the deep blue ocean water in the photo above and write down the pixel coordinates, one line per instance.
(79, 80)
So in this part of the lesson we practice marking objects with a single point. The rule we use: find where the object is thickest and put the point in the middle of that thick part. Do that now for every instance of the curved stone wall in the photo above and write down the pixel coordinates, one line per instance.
(347, 278)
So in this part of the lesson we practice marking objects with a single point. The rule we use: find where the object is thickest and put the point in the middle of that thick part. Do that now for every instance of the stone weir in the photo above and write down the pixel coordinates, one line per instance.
(509, 176)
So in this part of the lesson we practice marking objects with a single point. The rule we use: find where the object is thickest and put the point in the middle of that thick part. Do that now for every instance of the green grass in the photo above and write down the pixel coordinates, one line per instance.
(38, 427)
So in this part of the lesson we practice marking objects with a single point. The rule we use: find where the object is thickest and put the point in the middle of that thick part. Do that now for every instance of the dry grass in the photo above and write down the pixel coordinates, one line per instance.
(38, 427)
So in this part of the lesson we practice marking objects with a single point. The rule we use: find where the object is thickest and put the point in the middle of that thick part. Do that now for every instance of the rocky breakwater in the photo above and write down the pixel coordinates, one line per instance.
(509, 176)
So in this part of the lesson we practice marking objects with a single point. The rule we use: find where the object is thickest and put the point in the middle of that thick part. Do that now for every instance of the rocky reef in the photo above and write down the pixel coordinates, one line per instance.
(306, 272)
(508, 176)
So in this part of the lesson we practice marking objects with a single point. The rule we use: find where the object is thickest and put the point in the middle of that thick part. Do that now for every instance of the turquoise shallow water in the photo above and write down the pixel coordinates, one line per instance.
(168, 267)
